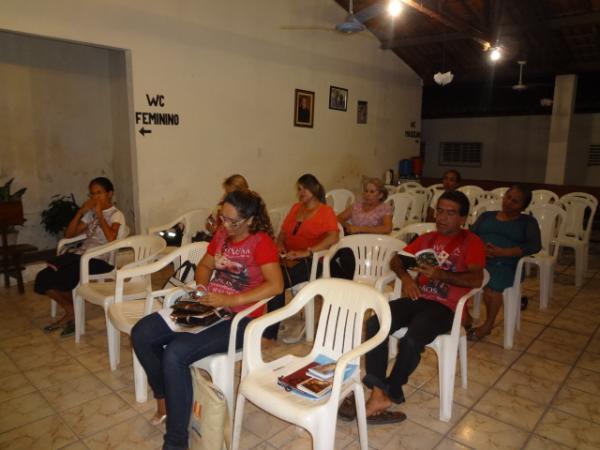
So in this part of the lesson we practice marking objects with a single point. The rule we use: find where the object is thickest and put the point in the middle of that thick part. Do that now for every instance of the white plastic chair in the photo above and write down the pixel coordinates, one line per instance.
(193, 221)
(578, 228)
(338, 337)
(472, 192)
(102, 293)
(123, 315)
(418, 209)
(372, 256)
(551, 220)
(414, 228)
(499, 192)
(339, 199)
(65, 243)
(446, 347)
(483, 206)
(402, 204)
(409, 186)
(436, 192)
(277, 216)
(543, 196)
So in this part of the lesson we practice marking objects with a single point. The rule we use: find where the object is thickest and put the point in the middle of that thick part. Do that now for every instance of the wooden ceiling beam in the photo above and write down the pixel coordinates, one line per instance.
(423, 40)
(451, 22)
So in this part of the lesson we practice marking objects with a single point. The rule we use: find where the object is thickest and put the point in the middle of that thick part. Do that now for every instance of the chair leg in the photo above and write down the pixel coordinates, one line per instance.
(579, 265)
(79, 312)
(52, 309)
(140, 381)
(477, 306)
(546, 280)
(361, 417)
(509, 318)
(462, 355)
(237, 423)
(446, 354)
(392, 347)
(114, 342)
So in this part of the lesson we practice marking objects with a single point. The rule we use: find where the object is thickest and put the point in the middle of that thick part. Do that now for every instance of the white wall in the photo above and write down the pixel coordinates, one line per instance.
(56, 127)
(514, 147)
(229, 69)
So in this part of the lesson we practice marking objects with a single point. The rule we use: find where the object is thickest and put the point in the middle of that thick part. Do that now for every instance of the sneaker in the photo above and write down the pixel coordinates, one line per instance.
(68, 329)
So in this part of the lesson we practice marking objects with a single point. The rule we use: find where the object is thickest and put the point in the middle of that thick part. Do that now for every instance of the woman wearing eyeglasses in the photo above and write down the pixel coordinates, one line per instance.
(310, 226)
(245, 263)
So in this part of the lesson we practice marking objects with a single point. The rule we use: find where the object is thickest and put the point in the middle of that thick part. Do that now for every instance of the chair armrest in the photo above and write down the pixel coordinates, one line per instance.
(384, 280)
(315, 263)
(458, 312)
(60, 248)
(166, 226)
(92, 253)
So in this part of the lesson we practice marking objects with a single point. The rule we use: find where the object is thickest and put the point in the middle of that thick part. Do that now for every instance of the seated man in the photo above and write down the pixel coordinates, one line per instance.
(428, 308)
(450, 181)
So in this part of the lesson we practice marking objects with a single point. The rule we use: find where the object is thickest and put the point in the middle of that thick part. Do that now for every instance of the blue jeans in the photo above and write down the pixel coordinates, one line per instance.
(166, 356)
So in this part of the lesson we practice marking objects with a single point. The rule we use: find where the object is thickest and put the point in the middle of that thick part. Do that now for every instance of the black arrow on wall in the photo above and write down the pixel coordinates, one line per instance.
(143, 131)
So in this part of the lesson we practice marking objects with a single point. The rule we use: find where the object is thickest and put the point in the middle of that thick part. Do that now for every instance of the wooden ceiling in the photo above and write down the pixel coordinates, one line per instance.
(553, 36)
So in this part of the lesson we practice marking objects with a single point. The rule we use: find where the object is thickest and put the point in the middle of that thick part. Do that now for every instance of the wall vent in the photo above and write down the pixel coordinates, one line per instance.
(594, 156)
(460, 154)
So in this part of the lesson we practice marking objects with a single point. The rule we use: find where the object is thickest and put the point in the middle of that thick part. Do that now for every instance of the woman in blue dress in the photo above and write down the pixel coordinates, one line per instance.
(508, 235)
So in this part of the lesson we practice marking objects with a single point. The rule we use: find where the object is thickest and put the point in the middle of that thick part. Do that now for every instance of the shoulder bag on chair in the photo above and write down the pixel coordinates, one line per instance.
(209, 424)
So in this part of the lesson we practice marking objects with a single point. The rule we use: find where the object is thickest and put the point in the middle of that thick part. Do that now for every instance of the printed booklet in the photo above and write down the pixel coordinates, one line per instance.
(425, 256)
(314, 380)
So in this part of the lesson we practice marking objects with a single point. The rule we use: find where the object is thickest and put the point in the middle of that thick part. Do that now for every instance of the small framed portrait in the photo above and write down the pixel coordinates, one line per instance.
(338, 98)
(361, 111)
(304, 108)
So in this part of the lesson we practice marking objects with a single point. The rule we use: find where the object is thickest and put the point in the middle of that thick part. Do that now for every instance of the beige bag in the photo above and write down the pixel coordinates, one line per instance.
(209, 424)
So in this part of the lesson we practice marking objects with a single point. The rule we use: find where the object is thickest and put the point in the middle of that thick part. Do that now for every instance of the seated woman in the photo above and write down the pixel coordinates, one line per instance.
(310, 226)
(100, 221)
(245, 263)
(369, 215)
(508, 235)
(232, 183)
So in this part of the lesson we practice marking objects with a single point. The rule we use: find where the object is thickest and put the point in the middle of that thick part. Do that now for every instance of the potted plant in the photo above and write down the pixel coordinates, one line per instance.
(7, 196)
(59, 213)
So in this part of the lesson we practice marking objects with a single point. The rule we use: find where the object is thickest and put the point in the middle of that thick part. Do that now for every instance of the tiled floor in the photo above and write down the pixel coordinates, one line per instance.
(544, 394)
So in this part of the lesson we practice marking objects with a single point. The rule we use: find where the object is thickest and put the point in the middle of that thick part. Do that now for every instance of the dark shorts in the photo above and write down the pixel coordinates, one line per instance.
(66, 278)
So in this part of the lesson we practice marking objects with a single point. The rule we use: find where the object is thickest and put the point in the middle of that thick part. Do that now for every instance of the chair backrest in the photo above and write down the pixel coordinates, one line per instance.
(436, 187)
(372, 255)
(409, 185)
(551, 220)
(542, 196)
(339, 199)
(418, 210)
(581, 209)
(499, 192)
(483, 206)
(402, 204)
(345, 304)
(472, 192)
(277, 215)
(416, 228)
(194, 221)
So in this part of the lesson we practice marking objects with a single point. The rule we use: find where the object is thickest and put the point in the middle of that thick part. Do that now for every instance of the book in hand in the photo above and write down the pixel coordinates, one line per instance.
(315, 379)
(426, 256)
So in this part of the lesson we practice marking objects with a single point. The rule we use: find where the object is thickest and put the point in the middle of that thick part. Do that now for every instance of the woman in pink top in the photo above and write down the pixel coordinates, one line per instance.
(369, 215)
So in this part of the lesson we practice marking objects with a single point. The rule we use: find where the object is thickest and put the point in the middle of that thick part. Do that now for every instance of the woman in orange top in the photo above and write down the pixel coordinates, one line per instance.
(310, 226)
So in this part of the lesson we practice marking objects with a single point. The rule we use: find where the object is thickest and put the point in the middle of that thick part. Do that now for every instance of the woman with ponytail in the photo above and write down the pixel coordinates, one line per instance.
(245, 263)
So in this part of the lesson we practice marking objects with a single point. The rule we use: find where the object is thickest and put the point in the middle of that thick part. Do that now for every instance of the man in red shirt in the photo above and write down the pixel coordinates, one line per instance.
(428, 308)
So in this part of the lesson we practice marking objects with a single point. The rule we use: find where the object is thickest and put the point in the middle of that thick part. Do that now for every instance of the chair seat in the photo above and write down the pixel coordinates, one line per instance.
(103, 292)
(261, 388)
(124, 315)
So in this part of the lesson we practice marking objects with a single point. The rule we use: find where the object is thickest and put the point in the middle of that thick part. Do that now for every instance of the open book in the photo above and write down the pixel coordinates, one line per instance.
(425, 256)
(314, 380)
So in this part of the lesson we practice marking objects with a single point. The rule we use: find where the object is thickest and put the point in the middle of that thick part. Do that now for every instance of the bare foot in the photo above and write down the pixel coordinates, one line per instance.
(161, 412)
(377, 403)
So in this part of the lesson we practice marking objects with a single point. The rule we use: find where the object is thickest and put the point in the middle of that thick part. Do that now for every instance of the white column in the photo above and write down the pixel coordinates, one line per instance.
(565, 88)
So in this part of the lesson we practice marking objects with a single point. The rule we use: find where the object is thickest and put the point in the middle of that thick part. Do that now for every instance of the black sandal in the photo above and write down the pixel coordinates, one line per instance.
(51, 327)
(68, 329)
(474, 337)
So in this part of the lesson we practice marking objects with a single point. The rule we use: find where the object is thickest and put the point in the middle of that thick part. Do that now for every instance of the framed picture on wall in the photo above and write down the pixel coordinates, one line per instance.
(361, 111)
(304, 108)
(338, 98)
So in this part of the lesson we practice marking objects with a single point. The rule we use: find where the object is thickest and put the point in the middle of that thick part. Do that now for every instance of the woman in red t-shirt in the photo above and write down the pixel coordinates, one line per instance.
(310, 226)
(243, 261)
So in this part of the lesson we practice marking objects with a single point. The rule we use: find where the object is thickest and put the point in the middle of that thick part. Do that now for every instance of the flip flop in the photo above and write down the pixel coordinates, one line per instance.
(51, 327)
(473, 337)
(68, 329)
(386, 417)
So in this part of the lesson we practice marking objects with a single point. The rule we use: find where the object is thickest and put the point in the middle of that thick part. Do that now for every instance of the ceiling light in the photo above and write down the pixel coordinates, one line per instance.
(443, 78)
(495, 54)
(394, 8)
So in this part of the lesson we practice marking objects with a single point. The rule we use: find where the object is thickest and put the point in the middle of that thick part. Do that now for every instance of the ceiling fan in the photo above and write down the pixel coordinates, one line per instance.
(520, 86)
(351, 24)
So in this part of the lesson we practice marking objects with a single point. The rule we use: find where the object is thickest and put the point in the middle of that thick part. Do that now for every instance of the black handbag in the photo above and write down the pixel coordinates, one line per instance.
(192, 313)
(173, 235)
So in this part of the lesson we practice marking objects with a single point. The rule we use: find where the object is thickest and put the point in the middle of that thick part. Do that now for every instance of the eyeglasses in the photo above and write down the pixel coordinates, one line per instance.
(296, 228)
(230, 222)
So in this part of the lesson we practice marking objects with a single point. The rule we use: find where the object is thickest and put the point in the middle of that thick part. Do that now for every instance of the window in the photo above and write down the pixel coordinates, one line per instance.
(594, 156)
(460, 154)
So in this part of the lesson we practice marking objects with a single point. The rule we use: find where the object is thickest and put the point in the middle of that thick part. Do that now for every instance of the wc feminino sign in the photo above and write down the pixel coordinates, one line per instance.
(155, 118)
